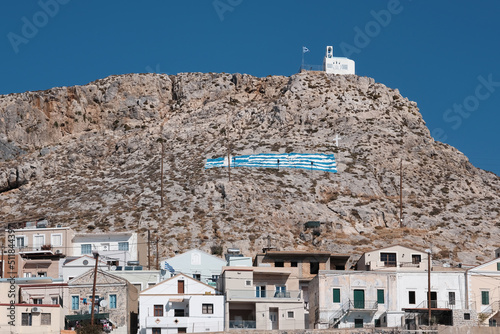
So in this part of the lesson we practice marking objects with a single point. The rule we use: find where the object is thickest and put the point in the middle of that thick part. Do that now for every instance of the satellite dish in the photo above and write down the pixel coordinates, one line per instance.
(103, 303)
(85, 262)
(113, 267)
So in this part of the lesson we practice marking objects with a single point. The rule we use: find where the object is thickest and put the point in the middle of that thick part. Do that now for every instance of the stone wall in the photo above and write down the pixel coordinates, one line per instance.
(371, 330)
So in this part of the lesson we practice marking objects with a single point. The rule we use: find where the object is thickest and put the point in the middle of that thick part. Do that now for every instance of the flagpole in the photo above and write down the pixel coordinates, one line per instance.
(302, 66)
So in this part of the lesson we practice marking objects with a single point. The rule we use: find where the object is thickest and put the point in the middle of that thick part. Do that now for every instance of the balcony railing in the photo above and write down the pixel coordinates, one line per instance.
(439, 304)
(368, 305)
(267, 294)
(409, 264)
(242, 324)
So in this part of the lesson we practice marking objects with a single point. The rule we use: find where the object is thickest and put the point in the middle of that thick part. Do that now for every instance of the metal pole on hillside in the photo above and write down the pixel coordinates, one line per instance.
(96, 257)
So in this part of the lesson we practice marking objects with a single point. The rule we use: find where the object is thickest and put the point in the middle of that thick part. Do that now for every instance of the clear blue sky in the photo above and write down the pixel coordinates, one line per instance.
(441, 54)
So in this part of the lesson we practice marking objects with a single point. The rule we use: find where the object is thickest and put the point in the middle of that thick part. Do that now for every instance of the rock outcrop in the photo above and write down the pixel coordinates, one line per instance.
(89, 157)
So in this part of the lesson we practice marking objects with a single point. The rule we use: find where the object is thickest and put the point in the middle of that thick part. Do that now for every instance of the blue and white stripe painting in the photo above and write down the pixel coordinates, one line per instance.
(311, 161)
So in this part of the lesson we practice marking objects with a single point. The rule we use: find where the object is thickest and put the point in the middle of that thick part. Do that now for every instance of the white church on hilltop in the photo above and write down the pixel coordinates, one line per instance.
(337, 65)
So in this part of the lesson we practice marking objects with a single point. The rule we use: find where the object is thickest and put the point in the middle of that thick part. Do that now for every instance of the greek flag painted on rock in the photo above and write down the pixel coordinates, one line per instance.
(311, 161)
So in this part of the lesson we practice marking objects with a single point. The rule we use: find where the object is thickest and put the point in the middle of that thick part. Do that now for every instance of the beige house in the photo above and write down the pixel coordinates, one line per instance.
(40, 248)
(484, 291)
(393, 258)
(32, 305)
(262, 298)
(118, 300)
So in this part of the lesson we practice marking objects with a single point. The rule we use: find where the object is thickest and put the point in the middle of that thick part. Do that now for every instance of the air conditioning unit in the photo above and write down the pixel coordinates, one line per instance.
(105, 247)
(36, 309)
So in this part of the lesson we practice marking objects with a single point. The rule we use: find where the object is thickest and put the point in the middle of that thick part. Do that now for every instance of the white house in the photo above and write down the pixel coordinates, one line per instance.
(75, 266)
(195, 263)
(116, 248)
(347, 299)
(180, 304)
(394, 258)
(337, 65)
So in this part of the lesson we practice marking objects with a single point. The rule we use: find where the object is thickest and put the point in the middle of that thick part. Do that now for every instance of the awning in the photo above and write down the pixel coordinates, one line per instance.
(86, 316)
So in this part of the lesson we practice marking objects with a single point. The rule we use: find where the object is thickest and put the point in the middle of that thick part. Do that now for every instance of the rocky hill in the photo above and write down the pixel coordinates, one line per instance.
(89, 157)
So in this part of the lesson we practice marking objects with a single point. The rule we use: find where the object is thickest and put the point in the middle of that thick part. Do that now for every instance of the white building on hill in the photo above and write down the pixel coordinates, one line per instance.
(337, 65)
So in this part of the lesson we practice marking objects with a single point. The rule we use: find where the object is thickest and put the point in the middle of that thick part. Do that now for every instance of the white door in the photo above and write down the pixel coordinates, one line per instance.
(273, 317)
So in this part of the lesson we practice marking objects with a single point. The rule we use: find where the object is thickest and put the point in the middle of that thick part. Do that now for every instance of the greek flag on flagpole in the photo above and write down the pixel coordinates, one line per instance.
(169, 267)
(304, 49)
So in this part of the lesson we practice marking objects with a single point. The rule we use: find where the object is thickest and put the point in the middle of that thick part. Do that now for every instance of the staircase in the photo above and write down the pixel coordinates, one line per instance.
(337, 317)
(494, 308)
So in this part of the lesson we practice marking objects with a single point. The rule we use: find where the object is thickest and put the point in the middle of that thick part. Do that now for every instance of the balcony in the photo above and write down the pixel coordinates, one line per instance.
(363, 306)
(264, 295)
(242, 324)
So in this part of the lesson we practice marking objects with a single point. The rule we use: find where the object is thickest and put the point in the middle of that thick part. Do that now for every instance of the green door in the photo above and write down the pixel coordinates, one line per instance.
(359, 298)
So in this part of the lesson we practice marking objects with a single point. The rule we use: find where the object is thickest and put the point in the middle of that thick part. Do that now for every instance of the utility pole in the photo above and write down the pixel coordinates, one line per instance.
(157, 256)
(401, 193)
(429, 283)
(161, 166)
(149, 250)
(96, 257)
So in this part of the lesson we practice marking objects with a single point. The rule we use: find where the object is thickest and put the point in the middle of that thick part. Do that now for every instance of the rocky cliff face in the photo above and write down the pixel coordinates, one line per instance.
(89, 157)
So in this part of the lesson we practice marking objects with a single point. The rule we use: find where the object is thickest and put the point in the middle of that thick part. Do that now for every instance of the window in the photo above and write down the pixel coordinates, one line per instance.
(215, 278)
(336, 295)
(156, 330)
(86, 249)
(20, 242)
(26, 319)
(37, 301)
(389, 259)
(466, 316)
(451, 298)
(281, 292)
(380, 296)
(181, 330)
(358, 323)
(179, 312)
(314, 268)
(207, 308)
(197, 277)
(112, 301)
(279, 263)
(294, 264)
(411, 297)
(123, 246)
(158, 311)
(42, 274)
(248, 283)
(416, 258)
(56, 240)
(75, 302)
(498, 266)
(260, 291)
(290, 314)
(485, 298)
(55, 300)
(45, 319)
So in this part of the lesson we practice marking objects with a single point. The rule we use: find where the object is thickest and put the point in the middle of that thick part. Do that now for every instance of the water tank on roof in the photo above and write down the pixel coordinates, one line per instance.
(132, 263)
(233, 250)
